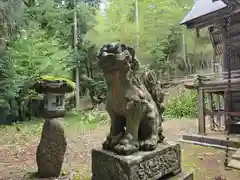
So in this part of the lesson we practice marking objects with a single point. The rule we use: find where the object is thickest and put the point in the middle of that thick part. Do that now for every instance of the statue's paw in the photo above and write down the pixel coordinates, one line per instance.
(111, 141)
(106, 144)
(126, 149)
(161, 138)
(127, 145)
(148, 145)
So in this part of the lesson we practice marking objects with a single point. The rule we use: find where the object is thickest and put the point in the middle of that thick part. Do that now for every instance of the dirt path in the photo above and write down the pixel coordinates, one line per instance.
(18, 157)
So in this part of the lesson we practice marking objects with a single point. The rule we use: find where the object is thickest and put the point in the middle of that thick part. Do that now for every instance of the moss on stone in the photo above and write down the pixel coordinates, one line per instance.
(52, 78)
(53, 84)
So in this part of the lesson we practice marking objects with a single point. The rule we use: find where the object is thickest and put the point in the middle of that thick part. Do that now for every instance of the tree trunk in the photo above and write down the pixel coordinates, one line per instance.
(75, 51)
(185, 54)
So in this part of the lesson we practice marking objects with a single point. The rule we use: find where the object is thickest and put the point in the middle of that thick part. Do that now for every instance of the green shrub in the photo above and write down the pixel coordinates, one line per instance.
(182, 105)
(89, 117)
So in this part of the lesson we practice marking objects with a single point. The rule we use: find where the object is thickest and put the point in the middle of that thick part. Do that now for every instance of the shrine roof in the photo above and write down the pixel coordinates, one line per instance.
(202, 8)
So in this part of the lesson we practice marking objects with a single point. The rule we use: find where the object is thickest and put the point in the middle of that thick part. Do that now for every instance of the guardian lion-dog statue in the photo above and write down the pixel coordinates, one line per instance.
(134, 101)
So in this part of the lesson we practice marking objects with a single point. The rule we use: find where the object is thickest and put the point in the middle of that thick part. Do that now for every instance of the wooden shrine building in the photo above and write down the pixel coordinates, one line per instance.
(214, 15)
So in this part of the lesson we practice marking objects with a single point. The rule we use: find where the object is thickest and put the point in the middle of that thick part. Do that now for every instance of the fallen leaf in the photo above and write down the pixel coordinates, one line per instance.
(200, 157)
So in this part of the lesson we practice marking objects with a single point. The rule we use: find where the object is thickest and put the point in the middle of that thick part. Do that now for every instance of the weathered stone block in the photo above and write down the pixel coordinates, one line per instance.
(150, 165)
(234, 164)
(180, 176)
(236, 155)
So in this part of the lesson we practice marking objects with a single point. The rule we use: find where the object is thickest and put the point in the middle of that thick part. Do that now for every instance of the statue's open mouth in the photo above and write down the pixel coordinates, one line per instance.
(109, 62)
(118, 56)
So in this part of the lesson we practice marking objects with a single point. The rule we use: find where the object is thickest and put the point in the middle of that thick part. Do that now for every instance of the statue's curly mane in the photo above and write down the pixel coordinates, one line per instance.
(121, 52)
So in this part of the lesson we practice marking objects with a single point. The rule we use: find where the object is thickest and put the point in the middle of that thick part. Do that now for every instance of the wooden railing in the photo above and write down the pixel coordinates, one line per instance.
(211, 84)
(206, 79)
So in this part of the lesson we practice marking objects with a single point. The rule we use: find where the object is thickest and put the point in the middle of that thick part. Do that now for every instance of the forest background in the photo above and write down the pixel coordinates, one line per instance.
(36, 38)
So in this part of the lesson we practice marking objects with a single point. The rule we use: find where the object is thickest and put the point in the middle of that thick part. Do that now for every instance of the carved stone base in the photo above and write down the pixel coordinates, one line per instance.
(150, 165)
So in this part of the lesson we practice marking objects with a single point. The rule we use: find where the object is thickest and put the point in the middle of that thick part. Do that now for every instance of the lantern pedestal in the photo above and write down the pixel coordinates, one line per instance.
(53, 144)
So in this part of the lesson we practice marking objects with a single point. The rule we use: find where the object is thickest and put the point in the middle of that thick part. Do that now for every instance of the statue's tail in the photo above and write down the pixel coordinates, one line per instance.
(154, 88)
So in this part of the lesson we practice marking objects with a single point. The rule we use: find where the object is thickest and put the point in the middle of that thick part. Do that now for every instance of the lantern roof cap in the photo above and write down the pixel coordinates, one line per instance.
(51, 84)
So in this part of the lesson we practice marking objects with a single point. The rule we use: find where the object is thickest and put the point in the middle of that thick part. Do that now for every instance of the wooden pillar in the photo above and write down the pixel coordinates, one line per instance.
(225, 49)
(201, 108)
(214, 70)
(229, 96)
(218, 107)
(222, 105)
(210, 107)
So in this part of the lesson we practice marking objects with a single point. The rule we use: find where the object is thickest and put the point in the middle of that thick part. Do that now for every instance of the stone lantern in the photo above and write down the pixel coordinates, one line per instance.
(52, 146)
(54, 90)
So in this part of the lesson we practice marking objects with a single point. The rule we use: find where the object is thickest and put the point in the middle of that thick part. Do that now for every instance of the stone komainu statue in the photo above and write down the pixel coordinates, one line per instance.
(134, 101)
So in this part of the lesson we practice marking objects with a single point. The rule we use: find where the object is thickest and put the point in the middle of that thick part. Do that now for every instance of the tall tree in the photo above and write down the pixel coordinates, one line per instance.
(160, 32)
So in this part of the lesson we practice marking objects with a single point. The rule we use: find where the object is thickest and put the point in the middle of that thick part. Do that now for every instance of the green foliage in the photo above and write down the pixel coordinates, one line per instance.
(7, 90)
(40, 38)
(183, 105)
(160, 35)
(33, 54)
(10, 11)
(40, 41)
(86, 118)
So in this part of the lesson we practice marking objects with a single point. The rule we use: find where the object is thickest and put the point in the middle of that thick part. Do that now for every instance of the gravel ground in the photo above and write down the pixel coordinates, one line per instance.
(17, 151)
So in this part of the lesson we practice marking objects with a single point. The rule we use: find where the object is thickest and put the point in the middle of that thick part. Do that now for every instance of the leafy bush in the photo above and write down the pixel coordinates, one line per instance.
(183, 105)
(88, 117)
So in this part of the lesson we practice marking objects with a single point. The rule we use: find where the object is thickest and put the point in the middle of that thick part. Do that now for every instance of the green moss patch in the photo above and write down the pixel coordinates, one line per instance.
(53, 84)
(52, 78)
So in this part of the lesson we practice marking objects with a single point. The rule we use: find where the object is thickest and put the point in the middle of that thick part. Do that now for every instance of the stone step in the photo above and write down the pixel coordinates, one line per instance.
(234, 164)
(234, 128)
(180, 176)
(236, 155)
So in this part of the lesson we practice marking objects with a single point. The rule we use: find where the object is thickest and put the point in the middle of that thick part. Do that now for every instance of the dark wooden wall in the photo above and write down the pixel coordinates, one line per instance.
(219, 38)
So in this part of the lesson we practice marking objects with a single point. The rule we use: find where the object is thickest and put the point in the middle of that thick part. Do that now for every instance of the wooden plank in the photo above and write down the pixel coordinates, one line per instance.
(220, 82)
(214, 87)
(234, 128)
(211, 140)
(218, 106)
(214, 61)
(190, 86)
(222, 112)
(207, 145)
(206, 20)
(217, 34)
(234, 41)
(210, 107)
(220, 91)
(217, 85)
(214, 18)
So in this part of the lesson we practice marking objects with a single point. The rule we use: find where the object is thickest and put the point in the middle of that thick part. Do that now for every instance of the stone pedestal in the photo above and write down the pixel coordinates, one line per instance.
(51, 149)
(151, 165)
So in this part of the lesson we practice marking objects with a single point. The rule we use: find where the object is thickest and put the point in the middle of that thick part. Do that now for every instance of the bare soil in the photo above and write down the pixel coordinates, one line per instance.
(18, 147)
